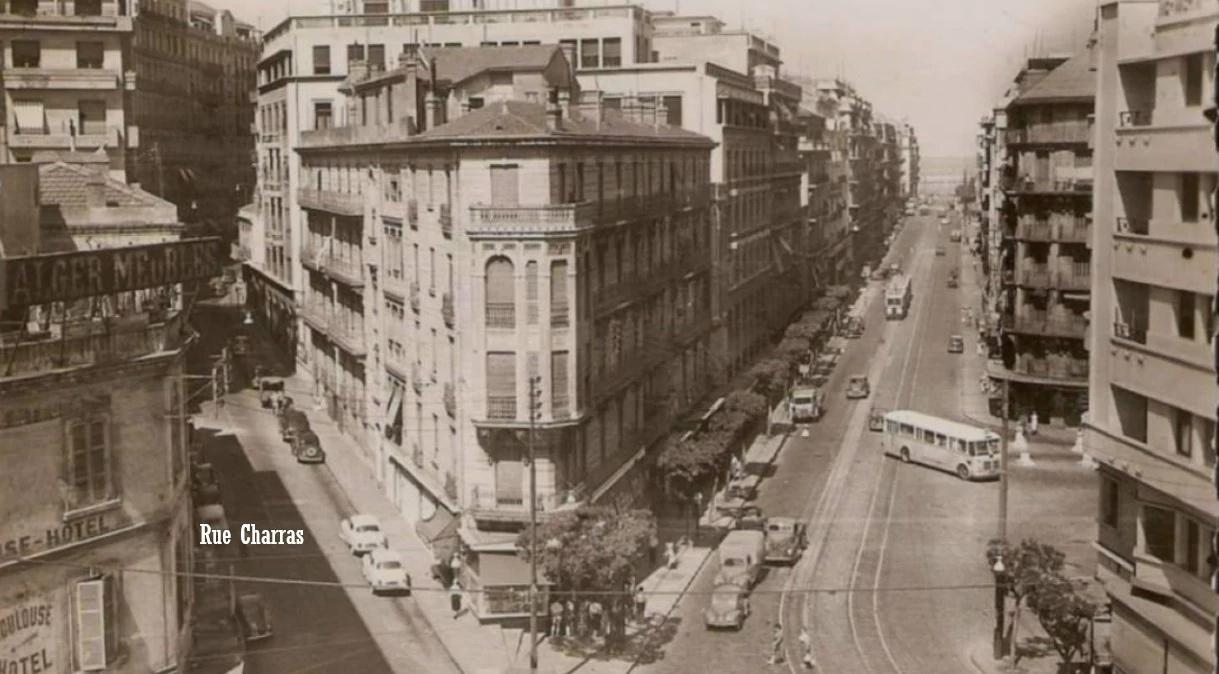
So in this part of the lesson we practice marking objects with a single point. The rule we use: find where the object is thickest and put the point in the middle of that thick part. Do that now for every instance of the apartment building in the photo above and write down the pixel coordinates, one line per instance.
(97, 547)
(306, 58)
(908, 143)
(1045, 262)
(486, 244)
(834, 254)
(889, 173)
(1151, 422)
(65, 80)
(821, 204)
(194, 71)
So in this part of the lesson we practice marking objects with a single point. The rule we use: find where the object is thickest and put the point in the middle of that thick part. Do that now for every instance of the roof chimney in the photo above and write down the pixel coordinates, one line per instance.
(95, 191)
(554, 111)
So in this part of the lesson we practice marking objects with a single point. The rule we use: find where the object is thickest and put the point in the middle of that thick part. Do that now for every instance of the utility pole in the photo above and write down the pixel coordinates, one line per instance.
(1003, 463)
(535, 408)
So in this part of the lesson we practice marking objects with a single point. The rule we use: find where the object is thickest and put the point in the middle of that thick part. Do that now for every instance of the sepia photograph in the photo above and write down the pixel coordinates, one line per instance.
(609, 337)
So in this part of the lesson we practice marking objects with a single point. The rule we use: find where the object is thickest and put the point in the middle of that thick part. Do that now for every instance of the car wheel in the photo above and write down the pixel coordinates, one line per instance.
(905, 454)
(963, 472)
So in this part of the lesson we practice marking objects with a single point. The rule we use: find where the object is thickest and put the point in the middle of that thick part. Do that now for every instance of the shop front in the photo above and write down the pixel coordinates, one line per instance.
(273, 309)
(496, 578)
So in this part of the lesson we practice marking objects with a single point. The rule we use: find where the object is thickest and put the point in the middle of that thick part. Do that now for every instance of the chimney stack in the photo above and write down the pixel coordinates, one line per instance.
(554, 111)
(95, 190)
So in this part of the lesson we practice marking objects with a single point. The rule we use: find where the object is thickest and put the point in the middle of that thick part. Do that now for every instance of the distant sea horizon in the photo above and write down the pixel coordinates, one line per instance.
(942, 175)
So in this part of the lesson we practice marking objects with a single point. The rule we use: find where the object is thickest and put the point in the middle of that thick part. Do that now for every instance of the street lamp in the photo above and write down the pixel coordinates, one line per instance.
(1000, 592)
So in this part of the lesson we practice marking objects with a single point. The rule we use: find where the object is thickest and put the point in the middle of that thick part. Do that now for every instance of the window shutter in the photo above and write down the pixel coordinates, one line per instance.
(91, 625)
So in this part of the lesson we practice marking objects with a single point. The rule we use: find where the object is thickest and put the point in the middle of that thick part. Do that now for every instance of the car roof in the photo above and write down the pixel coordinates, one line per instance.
(364, 519)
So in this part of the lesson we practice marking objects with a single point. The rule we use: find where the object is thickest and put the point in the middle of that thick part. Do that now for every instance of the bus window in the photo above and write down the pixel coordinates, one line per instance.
(992, 446)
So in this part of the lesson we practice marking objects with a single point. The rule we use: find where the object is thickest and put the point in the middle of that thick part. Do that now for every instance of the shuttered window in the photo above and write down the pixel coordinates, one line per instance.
(559, 312)
(30, 117)
(531, 293)
(96, 623)
(501, 385)
(500, 295)
(559, 401)
(505, 186)
(509, 476)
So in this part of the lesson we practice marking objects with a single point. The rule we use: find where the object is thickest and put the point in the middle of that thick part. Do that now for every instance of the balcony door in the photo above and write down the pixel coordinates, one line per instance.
(505, 186)
(509, 478)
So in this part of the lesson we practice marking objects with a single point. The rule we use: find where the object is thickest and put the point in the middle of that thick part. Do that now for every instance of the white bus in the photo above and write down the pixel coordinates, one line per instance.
(897, 298)
(972, 453)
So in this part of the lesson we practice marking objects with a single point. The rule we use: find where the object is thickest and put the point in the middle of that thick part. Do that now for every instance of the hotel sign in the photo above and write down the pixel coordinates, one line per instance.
(57, 534)
(63, 277)
(30, 636)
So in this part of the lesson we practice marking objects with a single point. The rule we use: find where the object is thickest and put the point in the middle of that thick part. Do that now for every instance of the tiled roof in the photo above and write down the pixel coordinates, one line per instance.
(458, 64)
(63, 185)
(520, 119)
(1073, 80)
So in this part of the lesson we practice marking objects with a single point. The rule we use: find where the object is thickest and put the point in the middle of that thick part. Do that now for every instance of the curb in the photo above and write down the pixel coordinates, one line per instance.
(676, 604)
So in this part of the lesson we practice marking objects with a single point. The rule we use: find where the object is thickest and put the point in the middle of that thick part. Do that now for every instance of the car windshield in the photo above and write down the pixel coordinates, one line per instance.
(733, 562)
(368, 529)
(802, 399)
(389, 566)
(857, 381)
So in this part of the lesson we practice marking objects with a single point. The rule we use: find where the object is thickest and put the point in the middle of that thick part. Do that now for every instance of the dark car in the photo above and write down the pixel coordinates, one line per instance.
(254, 617)
(307, 448)
(292, 422)
(727, 607)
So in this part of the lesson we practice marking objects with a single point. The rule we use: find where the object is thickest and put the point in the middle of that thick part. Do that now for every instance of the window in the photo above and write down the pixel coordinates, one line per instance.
(611, 56)
(30, 117)
(376, 56)
(1193, 80)
(476, 102)
(97, 633)
(501, 385)
(88, 464)
(355, 52)
(1208, 441)
(559, 401)
(590, 56)
(1110, 502)
(92, 117)
(90, 54)
(323, 115)
(1189, 197)
(1191, 555)
(559, 312)
(26, 53)
(505, 186)
(1159, 532)
(433, 5)
(1186, 314)
(88, 7)
(531, 293)
(500, 298)
(672, 110)
(321, 59)
(1131, 413)
(1183, 432)
(23, 7)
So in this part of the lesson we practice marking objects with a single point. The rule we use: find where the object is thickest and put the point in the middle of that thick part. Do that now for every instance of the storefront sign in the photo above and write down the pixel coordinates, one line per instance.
(62, 277)
(29, 639)
(54, 533)
(47, 409)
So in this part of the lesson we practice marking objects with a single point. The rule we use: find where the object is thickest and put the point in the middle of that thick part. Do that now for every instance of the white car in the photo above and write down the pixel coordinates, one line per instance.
(384, 571)
(362, 534)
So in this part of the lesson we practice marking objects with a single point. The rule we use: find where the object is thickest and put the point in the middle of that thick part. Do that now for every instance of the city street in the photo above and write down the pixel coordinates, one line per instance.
(894, 579)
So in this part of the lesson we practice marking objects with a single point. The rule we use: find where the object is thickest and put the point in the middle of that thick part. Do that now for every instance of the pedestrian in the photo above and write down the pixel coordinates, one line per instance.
(736, 468)
(455, 566)
(641, 605)
(556, 619)
(571, 619)
(1033, 423)
(653, 550)
(776, 645)
(594, 618)
(455, 598)
(670, 555)
(806, 645)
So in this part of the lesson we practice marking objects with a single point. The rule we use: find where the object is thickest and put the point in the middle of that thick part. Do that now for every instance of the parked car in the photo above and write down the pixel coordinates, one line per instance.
(385, 573)
(741, 554)
(854, 327)
(939, 250)
(858, 386)
(727, 607)
(307, 448)
(292, 422)
(254, 617)
(785, 540)
(362, 534)
(956, 344)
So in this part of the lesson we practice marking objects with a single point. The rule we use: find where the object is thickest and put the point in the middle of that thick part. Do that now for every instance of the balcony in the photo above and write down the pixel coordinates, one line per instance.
(1030, 230)
(517, 221)
(63, 79)
(1077, 278)
(111, 137)
(446, 220)
(501, 315)
(1058, 368)
(349, 337)
(1076, 232)
(1133, 226)
(557, 18)
(316, 314)
(357, 135)
(447, 310)
(1170, 145)
(338, 203)
(1033, 275)
(486, 504)
(1075, 133)
(415, 301)
(87, 344)
(1135, 118)
(450, 400)
(1132, 331)
(343, 270)
(416, 378)
(501, 408)
(1037, 323)
(397, 365)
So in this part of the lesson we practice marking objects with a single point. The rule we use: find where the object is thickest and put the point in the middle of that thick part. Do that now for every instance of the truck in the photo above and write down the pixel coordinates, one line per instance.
(741, 554)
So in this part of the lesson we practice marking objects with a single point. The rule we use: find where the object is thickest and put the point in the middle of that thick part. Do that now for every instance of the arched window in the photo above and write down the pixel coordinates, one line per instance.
(500, 293)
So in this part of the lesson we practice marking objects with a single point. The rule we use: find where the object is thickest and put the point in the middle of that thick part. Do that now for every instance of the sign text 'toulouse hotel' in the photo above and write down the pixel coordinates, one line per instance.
(64, 277)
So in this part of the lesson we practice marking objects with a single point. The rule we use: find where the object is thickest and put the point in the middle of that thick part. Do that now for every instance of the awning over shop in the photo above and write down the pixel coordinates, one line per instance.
(439, 532)
(499, 570)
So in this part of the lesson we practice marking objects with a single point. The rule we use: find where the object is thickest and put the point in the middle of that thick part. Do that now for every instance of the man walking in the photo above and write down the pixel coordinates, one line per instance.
(776, 645)
(556, 618)
(806, 645)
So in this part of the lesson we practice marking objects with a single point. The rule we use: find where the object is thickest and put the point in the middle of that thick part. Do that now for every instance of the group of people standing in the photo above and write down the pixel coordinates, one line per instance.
(594, 618)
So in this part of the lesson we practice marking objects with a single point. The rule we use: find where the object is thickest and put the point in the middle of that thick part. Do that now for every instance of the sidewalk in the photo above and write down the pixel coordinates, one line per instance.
(982, 657)
(474, 648)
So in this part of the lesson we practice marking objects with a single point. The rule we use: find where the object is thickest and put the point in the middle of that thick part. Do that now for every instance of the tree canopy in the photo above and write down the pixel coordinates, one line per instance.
(591, 548)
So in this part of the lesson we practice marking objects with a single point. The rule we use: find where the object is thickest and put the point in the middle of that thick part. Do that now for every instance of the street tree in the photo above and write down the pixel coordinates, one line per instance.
(1025, 567)
(1063, 613)
(773, 376)
(591, 554)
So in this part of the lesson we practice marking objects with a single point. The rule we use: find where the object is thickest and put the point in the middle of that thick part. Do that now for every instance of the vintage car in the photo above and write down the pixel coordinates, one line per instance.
(956, 344)
(807, 404)
(727, 607)
(858, 386)
(785, 540)
(385, 573)
(362, 534)
(876, 419)
(254, 617)
(307, 448)
(854, 327)
(292, 422)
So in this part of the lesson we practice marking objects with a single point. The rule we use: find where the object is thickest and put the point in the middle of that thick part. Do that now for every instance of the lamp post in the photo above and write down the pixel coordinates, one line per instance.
(1000, 606)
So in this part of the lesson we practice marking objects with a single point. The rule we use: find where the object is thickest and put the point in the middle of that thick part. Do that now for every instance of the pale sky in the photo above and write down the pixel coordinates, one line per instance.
(940, 64)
